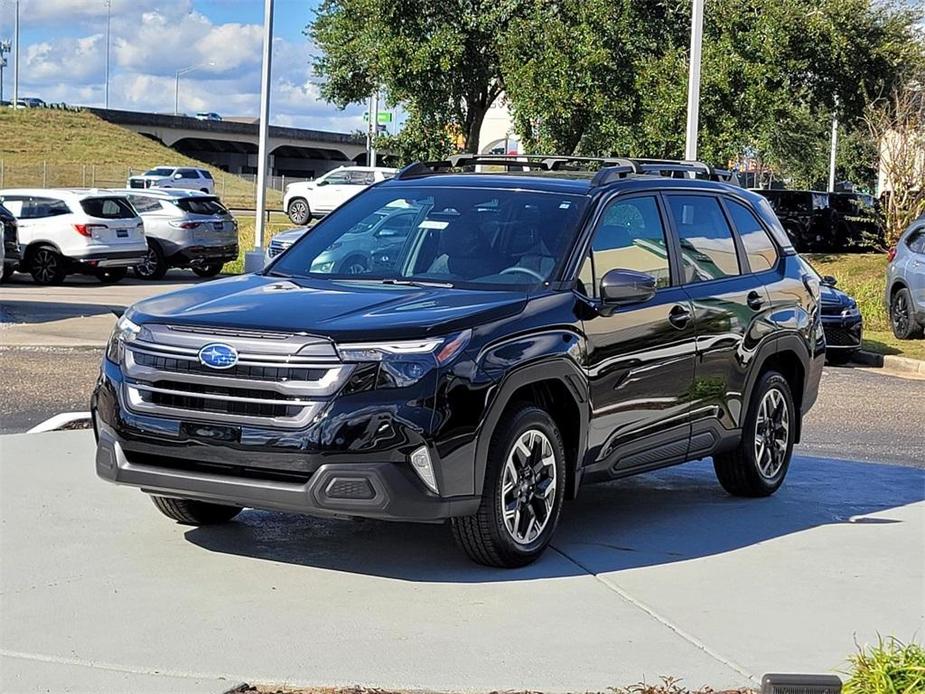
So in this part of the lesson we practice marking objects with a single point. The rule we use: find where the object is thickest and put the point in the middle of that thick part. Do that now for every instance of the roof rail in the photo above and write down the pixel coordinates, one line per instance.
(610, 168)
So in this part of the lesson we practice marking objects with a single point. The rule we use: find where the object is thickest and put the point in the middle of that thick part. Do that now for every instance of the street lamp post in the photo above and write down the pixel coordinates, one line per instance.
(253, 261)
(4, 49)
(693, 82)
(108, 26)
(183, 71)
(16, 56)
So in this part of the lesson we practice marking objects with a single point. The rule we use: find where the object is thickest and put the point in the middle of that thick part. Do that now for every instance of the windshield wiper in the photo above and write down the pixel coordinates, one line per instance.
(418, 283)
(276, 273)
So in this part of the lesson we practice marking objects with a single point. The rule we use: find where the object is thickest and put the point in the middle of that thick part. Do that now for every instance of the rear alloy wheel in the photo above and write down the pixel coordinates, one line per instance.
(154, 266)
(902, 319)
(522, 494)
(111, 275)
(47, 266)
(191, 512)
(208, 269)
(758, 465)
(298, 212)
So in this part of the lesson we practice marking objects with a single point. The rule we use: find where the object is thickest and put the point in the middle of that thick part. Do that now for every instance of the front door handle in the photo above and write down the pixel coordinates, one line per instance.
(754, 300)
(679, 316)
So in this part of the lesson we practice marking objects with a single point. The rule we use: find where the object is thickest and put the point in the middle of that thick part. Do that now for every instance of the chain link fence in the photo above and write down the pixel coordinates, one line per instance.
(237, 191)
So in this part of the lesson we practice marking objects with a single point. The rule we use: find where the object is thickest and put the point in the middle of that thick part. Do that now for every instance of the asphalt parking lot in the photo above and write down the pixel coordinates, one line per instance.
(662, 574)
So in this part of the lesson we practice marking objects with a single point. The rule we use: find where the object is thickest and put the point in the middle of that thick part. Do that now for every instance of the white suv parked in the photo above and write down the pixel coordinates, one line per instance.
(174, 177)
(313, 199)
(66, 231)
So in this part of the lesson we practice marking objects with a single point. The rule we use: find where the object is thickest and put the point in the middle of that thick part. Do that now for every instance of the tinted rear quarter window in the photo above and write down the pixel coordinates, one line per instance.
(201, 206)
(108, 208)
(143, 204)
(708, 251)
(760, 250)
(206, 174)
(916, 241)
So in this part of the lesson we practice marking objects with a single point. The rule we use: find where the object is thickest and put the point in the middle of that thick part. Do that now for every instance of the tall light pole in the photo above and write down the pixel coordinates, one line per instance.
(16, 55)
(834, 147)
(108, 26)
(183, 71)
(253, 261)
(693, 81)
(5, 48)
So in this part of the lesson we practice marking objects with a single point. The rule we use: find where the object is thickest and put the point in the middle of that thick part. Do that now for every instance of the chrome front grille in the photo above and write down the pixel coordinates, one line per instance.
(277, 247)
(280, 380)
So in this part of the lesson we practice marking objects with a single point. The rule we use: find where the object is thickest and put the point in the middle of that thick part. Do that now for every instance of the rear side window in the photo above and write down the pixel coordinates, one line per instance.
(201, 206)
(40, 208)
(708, 251)
(631, 237)
(916, 241)
(758, 245)
(143, 204)
(108, 208)
(206, 174)
(188, 173)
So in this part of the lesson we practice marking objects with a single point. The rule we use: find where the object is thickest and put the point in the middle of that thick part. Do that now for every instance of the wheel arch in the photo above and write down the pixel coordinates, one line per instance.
(33, 247)
(789, 356)
(556, 386)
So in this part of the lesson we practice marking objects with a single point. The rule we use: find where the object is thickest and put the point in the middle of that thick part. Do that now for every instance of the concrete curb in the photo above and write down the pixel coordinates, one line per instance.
(59, 421)
(916, 367)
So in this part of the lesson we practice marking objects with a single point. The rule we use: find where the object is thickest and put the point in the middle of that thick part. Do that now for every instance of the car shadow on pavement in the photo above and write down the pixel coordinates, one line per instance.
(668, 516)
(34, 312)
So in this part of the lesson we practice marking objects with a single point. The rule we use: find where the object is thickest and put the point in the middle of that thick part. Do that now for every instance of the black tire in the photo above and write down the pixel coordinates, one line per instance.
(191, 512)
(155, 265)
(111, 275)
(902, 318)
(739, 470)
(47, 266)
(485, 536)
(208, 269)
(8, 270)
(299, 212)
(840, 357)
(204, 190)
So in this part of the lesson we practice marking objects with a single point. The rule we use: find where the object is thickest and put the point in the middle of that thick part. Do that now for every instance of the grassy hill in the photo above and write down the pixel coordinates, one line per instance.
(52, 148)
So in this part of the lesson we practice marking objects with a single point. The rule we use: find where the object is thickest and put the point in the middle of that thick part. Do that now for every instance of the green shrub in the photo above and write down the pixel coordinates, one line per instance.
(890, 667)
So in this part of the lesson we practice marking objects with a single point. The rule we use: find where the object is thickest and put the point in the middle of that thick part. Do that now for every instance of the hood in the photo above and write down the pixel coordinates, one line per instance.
(291, 235)
(340, 310)
(831, 296)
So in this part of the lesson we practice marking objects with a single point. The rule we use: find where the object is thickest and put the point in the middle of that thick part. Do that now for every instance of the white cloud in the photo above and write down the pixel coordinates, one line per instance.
(150, 45)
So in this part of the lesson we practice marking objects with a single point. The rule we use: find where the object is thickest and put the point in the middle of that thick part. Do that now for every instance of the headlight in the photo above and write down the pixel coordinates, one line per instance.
(125, 331)
(324, 267)
(852, 310)
(404, 362)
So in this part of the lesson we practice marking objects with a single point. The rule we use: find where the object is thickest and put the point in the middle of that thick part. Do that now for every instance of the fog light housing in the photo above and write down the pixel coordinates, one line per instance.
(420, 461)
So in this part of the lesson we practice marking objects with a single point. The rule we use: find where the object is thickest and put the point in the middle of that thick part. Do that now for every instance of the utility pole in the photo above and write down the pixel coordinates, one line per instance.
(693, 81)
(5, 48)
(374, 119)
(16, 56)
(253, 261)
(834, 147)
(108, 27)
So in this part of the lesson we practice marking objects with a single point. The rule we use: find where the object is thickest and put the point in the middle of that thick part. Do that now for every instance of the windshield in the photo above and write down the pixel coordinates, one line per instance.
(464, 237)
(201, 206)
(160, 171)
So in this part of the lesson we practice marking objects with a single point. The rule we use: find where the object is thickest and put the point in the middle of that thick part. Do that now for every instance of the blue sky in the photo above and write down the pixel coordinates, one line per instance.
(63, 57)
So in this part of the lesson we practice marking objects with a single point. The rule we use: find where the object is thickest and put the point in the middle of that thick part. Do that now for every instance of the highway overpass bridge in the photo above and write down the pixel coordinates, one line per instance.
(232, 145)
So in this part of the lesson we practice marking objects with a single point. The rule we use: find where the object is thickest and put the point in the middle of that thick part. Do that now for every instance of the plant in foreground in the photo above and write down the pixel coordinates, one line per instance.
(889, 667)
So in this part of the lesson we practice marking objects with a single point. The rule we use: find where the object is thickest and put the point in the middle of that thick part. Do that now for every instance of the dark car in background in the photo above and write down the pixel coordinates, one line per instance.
(842, 322)
(822, 222)
(11, 252)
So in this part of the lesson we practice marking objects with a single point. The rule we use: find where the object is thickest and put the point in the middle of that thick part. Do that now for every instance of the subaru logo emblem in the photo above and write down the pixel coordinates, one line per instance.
(218, 356)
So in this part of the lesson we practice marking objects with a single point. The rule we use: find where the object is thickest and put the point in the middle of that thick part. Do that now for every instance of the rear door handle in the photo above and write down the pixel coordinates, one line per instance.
(754, 300)
(679, 316)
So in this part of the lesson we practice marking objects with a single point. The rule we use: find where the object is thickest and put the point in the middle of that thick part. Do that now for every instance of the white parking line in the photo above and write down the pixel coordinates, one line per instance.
(58, 421)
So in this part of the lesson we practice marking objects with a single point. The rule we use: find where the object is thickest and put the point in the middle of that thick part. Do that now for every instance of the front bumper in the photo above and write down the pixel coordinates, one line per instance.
(345, 464)
(842, 333)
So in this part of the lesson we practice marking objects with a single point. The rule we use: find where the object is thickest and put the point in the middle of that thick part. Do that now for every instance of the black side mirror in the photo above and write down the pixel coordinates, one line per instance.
(829, 280)
(621, 287)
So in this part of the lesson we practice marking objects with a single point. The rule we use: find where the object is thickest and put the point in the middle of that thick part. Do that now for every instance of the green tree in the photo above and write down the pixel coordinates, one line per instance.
(440, 60)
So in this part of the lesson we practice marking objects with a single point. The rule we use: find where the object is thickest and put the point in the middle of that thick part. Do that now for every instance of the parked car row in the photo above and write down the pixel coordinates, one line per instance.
(822, 222)
(51, 233)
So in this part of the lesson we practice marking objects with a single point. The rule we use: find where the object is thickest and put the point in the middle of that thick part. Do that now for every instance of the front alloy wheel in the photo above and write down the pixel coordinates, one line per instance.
(772, 434)
(522, 492)
(528, 487)
(47, 267)
(298, 212)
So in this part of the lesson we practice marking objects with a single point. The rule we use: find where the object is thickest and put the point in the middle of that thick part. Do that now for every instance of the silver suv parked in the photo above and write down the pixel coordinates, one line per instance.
(905, 282)
(184, 229)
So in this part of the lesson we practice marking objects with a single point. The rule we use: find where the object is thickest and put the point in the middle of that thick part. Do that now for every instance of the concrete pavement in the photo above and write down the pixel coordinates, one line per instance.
(660, 574)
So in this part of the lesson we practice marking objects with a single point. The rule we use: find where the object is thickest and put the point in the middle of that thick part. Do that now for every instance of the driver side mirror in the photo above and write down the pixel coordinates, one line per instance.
(829, 280)
(620, 287)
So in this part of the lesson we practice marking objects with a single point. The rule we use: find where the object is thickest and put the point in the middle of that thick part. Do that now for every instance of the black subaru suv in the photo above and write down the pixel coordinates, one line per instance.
(531, 330)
